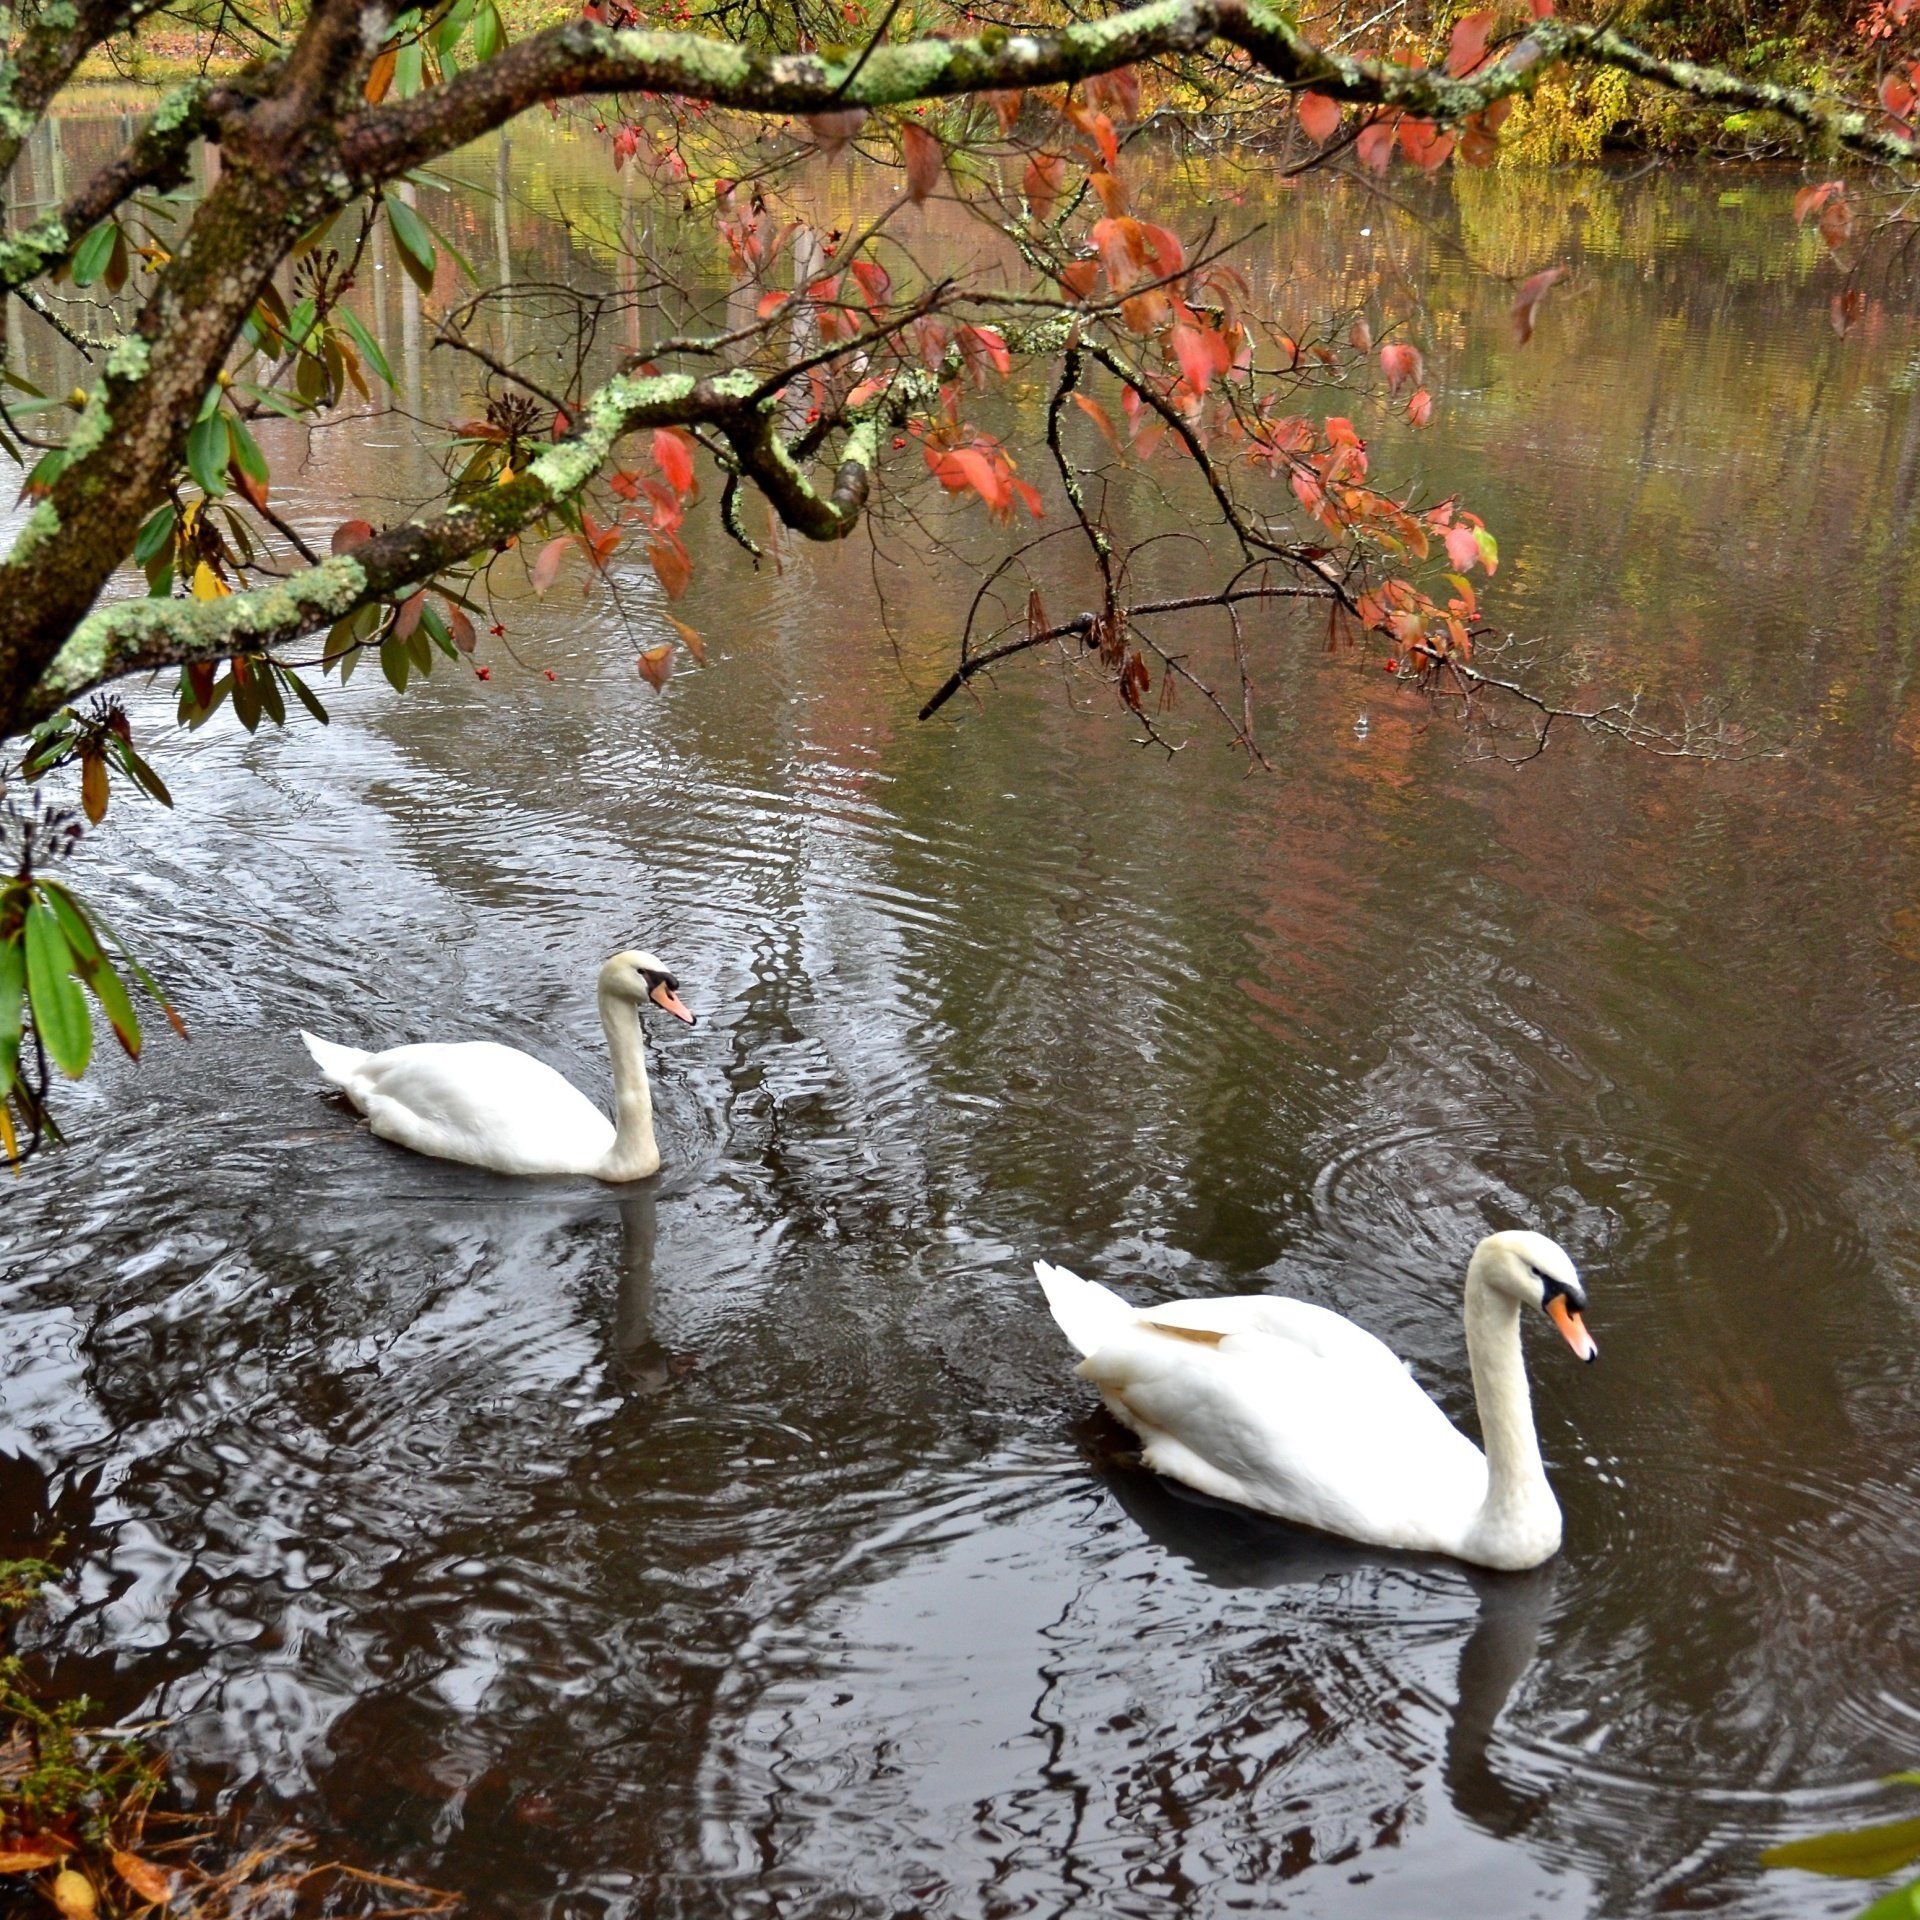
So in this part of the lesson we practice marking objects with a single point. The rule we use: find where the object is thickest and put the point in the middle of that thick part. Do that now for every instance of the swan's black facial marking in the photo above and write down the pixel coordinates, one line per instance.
(1552, 1290)
(656, 979)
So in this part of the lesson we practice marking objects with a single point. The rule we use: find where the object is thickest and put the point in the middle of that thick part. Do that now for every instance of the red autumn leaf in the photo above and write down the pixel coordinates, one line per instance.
(655, 664)
(1079, 276)
(460, 628)
(1401, 364)
(1195, 358)
(409, 616)
(925, 159)
(1896, 96)
(1526, 305)
(672, 564)
(1046, 174)
(546, 569)
(873, 280)
(1319, 116)
(986, 478)
(1468, 46)
(1099, 129)
(1846, 309)
(689, 639)
(1006, 107)
(1836, 222)
(1463, 546)
(674, 457)
(1169, 256)
(1543, 9)
(1420, 407)
(988, 344)
(1424, 144)
(770, 304)
(1360, 334)
(1029, 497)
(350, 534)
(1109, 191)
(1375, 145)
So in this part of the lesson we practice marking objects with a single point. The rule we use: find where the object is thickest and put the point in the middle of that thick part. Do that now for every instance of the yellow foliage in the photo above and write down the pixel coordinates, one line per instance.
(1567, 117)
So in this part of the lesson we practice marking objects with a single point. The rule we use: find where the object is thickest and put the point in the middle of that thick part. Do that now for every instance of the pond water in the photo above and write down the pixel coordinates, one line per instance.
(741, 1543)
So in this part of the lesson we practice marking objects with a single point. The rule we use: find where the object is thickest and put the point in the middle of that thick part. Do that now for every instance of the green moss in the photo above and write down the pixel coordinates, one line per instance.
(41, 525)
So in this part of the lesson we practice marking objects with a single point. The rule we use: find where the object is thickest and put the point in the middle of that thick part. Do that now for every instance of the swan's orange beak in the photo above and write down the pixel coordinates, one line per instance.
(1573, 1330)
(663, 996)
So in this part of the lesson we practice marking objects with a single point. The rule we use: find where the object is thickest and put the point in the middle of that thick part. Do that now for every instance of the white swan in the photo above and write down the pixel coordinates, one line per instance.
(1285, 1407)
(496, 1107)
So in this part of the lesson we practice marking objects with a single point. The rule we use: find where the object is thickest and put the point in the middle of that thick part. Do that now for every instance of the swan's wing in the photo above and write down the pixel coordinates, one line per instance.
(483, 1103)
(1316, 1330)
(1344, 1441)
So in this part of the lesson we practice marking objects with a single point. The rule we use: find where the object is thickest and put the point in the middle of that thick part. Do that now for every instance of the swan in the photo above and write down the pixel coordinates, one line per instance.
(496, 1107)
(1295, 1411)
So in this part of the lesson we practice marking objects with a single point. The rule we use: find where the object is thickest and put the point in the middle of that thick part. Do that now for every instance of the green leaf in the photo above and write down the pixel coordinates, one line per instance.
(368, 345)
(1903, 1903)
(489, 32)
(1854, 1853)
(155, 536)
(246, 450)
(452, 252)
(117, 1004)
(414, 241)
(13, 992)
(59, 1007)
(141, 773)
(207, 449)
(393, 663)
(90, 257)
(409, 67)
(304, 694)
(81, 939)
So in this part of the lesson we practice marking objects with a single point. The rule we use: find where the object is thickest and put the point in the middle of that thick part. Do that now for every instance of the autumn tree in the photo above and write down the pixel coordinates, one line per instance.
(843, 374)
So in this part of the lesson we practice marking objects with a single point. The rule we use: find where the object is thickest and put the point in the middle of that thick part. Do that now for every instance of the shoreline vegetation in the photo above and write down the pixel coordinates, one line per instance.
(1585, 116)
(85, 1830)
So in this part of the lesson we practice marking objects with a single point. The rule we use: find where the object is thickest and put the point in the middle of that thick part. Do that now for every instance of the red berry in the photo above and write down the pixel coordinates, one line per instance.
(483, 673)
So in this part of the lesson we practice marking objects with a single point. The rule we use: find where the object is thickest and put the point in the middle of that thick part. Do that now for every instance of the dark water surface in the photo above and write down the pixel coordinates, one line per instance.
(741, 1543)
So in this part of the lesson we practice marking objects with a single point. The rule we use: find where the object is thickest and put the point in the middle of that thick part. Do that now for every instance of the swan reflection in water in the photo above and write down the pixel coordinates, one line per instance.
(1230, 1547)
(640, 1362)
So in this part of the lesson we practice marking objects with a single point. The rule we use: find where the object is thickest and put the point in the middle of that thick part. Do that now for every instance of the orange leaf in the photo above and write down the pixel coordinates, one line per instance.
(350, 534)
(1424, 144)
(1811, 199)
(770, 304)
(1360, 334)
(873, 280)
(690, 640)
(1420, 407)
(1006, 107)
(380, 76)
(1098, 415)
(1111, 192)
(460, 628)
(1468, 46)
(925, 158)
(148, 1881)
(30, 1856)
(655, 664)
(1319, 117)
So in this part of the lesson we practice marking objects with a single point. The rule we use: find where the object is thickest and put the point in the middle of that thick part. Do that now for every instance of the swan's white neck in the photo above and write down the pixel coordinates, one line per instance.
(1519, 1523)
(634, 1153)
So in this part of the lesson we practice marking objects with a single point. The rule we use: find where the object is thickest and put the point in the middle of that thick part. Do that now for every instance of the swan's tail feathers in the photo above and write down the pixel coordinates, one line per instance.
(338, 1064)
(1086, 1312)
